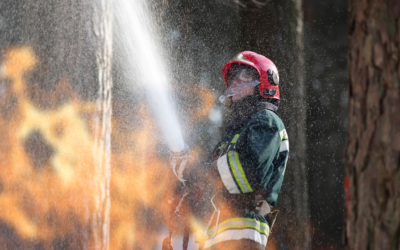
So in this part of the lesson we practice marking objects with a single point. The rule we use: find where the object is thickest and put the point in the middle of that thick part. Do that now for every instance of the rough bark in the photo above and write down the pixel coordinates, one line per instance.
(102, 22)
(372, 161)
(276, 31)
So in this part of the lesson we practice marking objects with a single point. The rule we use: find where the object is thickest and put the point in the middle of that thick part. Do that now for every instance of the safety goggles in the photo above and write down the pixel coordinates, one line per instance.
(238, 89)
(241, 82)
(243, 73)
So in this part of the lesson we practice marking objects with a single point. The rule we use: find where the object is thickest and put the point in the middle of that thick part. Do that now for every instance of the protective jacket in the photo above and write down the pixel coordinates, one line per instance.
(249, 163)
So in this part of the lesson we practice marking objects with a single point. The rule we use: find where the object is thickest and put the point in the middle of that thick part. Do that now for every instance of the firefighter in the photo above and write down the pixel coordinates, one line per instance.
(246, 168)
(248, 164)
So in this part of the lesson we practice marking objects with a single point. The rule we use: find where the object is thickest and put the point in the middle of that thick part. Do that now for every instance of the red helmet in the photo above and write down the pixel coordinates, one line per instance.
(269, 76)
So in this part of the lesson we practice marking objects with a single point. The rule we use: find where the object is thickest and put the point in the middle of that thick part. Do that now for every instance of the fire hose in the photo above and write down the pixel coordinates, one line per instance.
(178, 163)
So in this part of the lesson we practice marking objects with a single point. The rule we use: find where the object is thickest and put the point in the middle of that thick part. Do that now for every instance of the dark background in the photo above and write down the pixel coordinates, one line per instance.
(326, 46)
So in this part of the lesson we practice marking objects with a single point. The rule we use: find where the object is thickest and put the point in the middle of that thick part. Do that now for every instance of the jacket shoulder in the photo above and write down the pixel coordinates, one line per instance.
(268, 118)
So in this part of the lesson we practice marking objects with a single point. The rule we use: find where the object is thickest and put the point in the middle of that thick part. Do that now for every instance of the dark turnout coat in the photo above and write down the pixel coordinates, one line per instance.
(250, 164)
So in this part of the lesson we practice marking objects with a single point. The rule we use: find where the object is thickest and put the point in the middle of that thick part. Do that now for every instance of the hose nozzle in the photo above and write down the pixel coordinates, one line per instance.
(225, 100)
(178, 161)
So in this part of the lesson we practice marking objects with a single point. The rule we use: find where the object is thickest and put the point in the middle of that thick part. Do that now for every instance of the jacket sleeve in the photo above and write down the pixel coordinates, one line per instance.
(274, 185)
(248, 166)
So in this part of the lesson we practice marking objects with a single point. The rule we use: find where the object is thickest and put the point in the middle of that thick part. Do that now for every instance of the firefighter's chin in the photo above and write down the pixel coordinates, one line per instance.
(242, 95)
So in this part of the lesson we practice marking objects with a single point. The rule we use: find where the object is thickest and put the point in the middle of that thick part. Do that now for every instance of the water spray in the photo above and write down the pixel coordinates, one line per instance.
(145, 64)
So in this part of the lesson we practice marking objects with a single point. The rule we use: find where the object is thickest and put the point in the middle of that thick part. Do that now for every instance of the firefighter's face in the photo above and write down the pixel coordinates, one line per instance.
(240, 81)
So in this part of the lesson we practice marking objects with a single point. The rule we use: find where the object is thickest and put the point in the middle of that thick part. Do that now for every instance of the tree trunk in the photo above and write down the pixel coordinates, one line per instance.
(102, 22)
(372, 159)
(70, 43)
(276, 31)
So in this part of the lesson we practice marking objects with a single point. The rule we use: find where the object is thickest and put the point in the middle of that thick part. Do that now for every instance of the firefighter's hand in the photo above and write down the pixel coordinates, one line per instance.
(167, 244)
(179, 162)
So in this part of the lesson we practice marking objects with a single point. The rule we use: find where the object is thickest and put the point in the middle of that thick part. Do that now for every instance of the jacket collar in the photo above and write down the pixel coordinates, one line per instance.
(243, 110)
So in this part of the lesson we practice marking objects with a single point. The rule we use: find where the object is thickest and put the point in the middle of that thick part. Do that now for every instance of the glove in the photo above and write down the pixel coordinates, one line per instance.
(166, 245)
(178, 163)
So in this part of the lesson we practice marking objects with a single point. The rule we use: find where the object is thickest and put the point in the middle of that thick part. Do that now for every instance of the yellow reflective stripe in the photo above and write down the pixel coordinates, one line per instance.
(234, 140)
(234, 172)
(242, 172)
(223, 145)
(200, 236)
(238, 172)
(240, 223)
(283, 134)
(241, 219)
(243, 226)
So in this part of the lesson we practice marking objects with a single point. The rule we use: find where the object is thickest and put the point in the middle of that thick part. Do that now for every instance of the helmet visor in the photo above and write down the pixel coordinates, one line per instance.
(239, 89)
(241, 81)
(242, 72)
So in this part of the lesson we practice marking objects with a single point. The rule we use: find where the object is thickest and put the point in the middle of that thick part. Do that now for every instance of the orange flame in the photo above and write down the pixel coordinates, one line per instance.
(47, 164)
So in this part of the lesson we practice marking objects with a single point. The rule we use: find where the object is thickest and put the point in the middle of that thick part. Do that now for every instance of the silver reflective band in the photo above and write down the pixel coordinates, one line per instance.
(284, 169)
(240, 223)
(284, 146)
(240, 57)
(226, 176)
(236, 234)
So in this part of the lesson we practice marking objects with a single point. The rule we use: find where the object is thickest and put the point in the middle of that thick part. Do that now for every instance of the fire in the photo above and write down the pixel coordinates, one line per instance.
(43, 174)
(47, 163)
